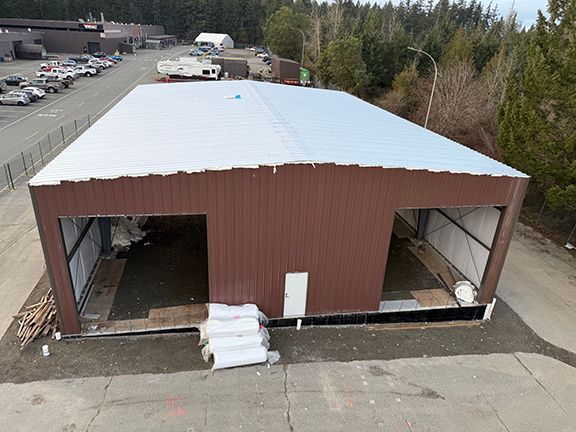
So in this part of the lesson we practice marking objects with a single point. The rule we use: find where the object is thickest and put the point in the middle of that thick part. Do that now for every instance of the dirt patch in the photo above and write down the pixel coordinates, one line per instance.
(169, 267)
(166, 353)
(405, 272)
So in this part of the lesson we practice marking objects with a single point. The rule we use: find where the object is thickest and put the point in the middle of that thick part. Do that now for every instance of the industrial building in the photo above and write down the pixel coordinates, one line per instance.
(161, 41)
(214, 39)
(25, 45)
(310, 203)
(77, 36)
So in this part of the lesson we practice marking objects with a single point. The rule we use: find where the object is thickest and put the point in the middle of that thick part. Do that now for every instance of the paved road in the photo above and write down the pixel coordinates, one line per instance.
(21, 127)
(499, 392)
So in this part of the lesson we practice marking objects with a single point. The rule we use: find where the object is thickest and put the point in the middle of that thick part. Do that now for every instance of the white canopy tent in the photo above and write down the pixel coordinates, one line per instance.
(216, 39)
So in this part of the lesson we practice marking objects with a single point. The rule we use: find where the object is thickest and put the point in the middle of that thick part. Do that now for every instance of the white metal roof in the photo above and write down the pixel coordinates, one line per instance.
(215, 38)
(192, 127)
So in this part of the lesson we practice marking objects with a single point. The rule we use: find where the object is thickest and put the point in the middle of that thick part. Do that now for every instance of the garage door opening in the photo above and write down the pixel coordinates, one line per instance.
(432, 249)
(154, 276)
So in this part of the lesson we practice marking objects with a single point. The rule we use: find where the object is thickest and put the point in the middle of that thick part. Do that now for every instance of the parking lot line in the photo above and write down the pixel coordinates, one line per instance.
(58, 100)
(126, 90)
(35, 133)
(81, 103)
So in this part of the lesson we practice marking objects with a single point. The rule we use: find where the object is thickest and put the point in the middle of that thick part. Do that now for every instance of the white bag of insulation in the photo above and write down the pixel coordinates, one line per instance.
(238, 342)
(231, 343)
(228, 359)
(223, 312)
(216, 329)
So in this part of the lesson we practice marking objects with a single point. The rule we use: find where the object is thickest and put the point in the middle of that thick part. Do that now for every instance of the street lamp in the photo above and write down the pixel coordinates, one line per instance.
(433, 85)
(303, 42)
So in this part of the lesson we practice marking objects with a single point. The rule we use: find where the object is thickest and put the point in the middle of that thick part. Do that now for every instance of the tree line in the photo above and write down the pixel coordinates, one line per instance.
(504, 90)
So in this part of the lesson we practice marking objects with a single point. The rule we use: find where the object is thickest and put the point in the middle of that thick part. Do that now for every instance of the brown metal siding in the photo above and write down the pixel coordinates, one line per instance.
(332, 221)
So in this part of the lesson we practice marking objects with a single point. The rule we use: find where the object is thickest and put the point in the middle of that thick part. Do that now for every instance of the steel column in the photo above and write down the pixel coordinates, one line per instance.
(501, 242)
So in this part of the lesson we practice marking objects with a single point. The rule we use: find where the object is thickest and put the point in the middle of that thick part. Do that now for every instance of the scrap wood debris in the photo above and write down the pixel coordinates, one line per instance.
(38, 319)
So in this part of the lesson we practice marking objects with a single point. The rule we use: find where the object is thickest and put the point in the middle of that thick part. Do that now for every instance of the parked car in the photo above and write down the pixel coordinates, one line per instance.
(30, 94)
(37, 91)
(44, 84)
(196, 52)
(262, 54)
(14, 80)
(85, 70)
(100, 54)
(78, 59)
(107, 63)
(117, 57)
(96, 64)
(3, 86)
(204, 49)
(69, 63)
(14, 99)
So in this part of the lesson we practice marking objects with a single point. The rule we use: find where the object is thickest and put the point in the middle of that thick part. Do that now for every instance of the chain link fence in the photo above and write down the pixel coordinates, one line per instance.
(24, 166)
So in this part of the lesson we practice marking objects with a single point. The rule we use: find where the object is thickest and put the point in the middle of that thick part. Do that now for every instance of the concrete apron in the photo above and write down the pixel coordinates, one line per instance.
(21, 258)
(497, 392)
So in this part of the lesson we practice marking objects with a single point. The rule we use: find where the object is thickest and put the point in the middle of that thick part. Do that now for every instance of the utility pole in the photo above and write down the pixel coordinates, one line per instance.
(303, 43)
(433, 85)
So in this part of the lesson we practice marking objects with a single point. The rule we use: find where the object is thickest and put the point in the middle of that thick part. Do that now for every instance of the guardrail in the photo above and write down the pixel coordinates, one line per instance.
(24, 166)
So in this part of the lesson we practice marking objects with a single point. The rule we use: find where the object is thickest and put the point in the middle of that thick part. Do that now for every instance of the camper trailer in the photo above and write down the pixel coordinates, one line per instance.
(189, 69)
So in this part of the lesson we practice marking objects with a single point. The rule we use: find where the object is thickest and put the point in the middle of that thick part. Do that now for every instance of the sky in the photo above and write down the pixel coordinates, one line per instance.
(527, 9)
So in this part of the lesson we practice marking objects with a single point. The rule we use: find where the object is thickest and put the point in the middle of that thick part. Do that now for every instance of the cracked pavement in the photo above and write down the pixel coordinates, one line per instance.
(496, 392)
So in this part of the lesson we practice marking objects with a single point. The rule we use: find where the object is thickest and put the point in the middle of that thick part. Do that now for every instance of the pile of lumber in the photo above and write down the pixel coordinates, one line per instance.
(37, 320)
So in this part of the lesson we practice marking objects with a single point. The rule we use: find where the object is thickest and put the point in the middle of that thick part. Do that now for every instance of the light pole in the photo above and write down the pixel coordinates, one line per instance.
(433, 85)
(303, 42)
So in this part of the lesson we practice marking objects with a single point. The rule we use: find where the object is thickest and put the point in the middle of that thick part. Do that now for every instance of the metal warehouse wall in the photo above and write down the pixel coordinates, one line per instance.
(334, 222)
(462, 250)
(82, 262)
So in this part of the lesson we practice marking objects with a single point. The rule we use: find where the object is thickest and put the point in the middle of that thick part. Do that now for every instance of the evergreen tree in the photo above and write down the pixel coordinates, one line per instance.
(538, 119)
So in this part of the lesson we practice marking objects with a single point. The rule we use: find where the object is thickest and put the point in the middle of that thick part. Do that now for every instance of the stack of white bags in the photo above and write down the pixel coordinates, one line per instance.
(234, 336)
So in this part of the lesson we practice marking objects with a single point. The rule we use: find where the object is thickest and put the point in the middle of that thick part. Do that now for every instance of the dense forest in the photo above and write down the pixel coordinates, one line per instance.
(504, 90)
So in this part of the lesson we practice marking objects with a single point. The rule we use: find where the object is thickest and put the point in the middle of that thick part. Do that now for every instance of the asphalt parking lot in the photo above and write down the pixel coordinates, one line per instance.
(23, 126)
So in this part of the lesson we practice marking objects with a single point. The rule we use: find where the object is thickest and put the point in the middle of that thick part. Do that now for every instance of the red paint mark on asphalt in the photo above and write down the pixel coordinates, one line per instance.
(348, 396)
(175, 407)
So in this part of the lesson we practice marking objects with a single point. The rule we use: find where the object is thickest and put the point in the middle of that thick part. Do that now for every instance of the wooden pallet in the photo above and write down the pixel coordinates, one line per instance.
(169, 318)
(104, 288)
(431, 298)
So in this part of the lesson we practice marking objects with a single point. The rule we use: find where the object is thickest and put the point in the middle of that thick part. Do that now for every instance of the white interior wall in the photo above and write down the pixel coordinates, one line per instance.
(87, 254)
(460, 249)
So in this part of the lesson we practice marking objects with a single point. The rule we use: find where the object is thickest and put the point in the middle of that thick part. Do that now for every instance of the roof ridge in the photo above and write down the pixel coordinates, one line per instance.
(306, 153)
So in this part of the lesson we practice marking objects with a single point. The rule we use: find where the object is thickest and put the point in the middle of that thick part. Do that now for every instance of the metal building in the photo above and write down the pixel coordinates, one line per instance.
(26, 44)
(75, 36)
(300, 187)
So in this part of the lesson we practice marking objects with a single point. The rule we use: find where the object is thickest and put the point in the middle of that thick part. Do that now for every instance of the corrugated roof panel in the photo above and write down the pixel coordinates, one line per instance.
(211, 126)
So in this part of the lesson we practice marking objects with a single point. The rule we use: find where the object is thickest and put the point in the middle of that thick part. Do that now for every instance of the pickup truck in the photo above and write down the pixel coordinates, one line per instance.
(85, 70)
(53, 63)
(65, 82)
(44, 84)
(56, 72)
